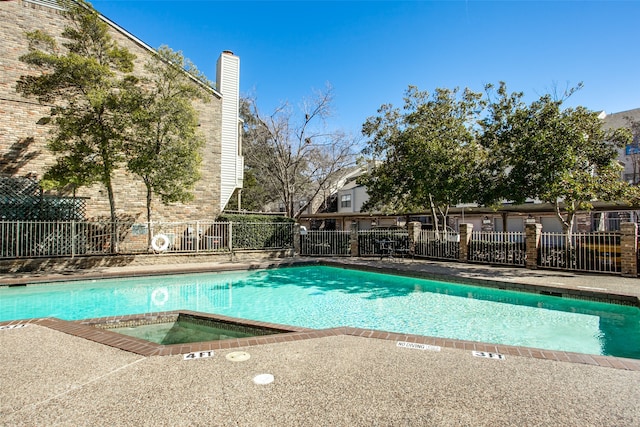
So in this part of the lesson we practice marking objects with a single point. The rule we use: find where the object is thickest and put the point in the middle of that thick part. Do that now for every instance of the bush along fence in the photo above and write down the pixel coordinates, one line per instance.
(607, 252)
(37, 239)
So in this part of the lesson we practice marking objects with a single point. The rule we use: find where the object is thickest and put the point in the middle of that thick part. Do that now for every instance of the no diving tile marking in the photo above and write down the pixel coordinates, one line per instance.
(415, 346)
(198, 355)
(487, 355)
(19, 325)
(592, 288)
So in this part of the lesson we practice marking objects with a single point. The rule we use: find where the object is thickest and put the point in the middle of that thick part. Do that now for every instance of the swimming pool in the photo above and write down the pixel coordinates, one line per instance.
(324, 297)
(181, 328)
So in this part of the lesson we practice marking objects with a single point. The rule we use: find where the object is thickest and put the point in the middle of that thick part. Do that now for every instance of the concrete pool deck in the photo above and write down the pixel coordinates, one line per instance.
(50, 377)
(553, 279)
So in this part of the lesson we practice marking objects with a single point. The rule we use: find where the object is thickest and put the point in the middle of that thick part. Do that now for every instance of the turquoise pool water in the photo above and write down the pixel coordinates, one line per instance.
(323, 297)
(179, 332)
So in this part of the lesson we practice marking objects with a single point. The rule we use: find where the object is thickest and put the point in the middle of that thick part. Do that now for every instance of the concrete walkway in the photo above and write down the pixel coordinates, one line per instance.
(51, 378)
(563, 282)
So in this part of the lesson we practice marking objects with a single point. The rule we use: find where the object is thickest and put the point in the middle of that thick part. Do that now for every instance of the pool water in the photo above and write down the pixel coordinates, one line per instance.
(179, 332)
(324, 297)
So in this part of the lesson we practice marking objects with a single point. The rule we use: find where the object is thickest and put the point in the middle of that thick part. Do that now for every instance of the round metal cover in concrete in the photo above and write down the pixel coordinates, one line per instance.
(263, 379)
(238, 356)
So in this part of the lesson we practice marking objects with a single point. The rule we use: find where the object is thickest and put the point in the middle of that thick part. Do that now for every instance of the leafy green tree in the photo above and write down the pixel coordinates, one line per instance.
(560, 156)
(86, 79)
(163, 143)
(500, 144)
(425, 155)
(254, 196)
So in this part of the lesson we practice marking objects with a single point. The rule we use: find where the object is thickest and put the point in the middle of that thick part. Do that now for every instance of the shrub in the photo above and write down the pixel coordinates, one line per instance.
(260, 231)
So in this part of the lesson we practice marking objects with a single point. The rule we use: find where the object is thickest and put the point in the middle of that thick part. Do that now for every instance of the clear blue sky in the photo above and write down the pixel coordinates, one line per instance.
(371, 51)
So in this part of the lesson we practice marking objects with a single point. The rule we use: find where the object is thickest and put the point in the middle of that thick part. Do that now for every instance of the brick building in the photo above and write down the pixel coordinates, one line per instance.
(23, 151)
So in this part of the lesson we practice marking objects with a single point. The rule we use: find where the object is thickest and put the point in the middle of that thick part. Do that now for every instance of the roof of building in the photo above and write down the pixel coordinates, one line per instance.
(350, 185)
(54, 5)
(621, 119)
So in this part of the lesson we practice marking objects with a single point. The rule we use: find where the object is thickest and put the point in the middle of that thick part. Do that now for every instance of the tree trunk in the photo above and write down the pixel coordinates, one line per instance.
(444, 213)
(114, 217)
(569, 227)
(505, 225)
(149, 237)
(434, 215)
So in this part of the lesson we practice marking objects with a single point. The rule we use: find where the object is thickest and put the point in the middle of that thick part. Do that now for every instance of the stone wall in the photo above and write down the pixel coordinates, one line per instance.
(23, 149)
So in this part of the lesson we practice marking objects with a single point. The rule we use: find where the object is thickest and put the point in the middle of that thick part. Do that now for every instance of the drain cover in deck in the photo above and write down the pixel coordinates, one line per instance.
(238, 356)
(263, 379)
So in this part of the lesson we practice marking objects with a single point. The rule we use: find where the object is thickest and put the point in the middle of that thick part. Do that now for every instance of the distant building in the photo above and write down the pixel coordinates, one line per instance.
(327, 198)
(23, 151)
(351, 196)
(628, 156)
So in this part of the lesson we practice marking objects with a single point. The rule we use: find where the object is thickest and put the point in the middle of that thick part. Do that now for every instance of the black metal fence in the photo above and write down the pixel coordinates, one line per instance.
(325, 243)
(438, 245)
(592, 252)
(597, 251)
(27, 239)
(385, 242)
(498, 247)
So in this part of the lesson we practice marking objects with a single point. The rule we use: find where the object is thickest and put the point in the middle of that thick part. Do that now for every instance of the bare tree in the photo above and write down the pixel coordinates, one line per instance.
(295, 156)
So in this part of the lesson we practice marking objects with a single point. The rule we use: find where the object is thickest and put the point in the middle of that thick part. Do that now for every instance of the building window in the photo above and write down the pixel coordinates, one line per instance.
(53, 4)
(632, 149)
(345, 201)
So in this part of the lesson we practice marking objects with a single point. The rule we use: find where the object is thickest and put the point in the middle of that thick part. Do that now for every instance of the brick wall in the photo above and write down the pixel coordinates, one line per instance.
(64, 265)
(629, 249)
(23, 142)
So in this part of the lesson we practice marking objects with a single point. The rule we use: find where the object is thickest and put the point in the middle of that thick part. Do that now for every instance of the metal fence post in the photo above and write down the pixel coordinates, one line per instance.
(231, 237)
(73, 238)
(18, 235)
(197, 236)
(353, 240)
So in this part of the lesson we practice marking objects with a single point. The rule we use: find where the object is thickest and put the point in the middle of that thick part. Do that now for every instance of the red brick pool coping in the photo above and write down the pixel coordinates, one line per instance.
(83, 329)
